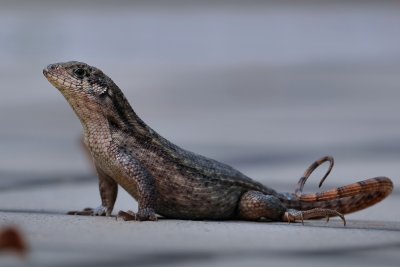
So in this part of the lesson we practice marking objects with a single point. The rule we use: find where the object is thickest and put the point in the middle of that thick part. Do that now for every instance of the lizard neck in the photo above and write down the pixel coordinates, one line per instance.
(107, 116)
(121, 117)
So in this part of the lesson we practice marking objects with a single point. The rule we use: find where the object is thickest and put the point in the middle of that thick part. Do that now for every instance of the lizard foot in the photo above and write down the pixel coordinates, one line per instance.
(126, 215)
(147, 214)
(292, 215)
(142, 215)
(99, 211)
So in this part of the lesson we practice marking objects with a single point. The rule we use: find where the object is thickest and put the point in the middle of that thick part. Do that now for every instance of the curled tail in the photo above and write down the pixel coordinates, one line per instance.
(349, 198)
(345, 199)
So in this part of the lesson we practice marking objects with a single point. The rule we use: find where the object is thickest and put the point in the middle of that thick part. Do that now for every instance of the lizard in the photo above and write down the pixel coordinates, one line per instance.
(175, 183)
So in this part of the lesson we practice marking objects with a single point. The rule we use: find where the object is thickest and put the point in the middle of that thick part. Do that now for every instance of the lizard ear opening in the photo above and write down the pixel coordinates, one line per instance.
(102, 91)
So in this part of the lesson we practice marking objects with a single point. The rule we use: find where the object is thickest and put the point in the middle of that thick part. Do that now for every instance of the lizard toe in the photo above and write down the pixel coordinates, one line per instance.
(292, 215)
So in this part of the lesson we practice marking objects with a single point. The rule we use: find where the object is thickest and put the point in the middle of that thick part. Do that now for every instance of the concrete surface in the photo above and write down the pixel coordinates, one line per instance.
(267, 88)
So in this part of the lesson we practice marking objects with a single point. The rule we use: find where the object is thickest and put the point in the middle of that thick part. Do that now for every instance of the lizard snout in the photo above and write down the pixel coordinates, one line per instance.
(52, 67)
(49, 68)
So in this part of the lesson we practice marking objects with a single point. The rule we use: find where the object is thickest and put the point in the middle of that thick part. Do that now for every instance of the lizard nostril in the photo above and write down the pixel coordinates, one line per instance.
(52, 67)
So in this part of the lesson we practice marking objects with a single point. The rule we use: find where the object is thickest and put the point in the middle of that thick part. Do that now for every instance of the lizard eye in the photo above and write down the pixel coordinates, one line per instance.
(80, 72)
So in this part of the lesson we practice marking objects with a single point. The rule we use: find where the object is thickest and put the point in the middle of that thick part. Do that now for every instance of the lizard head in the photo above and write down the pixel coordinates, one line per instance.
(75, 77)
(88, 90)
(92, 95)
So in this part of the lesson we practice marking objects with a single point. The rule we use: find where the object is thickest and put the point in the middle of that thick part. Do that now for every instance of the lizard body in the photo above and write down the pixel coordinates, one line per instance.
(175, 183)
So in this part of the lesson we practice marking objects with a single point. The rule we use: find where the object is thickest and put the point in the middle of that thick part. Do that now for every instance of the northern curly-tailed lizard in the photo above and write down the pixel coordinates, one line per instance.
(175, 183)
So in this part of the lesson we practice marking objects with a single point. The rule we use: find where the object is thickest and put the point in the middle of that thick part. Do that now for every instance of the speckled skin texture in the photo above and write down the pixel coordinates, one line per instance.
(170, 181)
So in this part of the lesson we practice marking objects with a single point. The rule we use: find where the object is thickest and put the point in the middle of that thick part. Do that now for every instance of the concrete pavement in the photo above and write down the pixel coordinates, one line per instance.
(371, 237)
(267, 88)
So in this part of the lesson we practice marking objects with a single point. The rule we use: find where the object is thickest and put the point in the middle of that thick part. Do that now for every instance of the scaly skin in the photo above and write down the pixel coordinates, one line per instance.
(170, 181)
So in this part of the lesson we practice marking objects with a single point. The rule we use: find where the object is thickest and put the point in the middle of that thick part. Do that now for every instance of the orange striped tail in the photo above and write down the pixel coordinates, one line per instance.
(349, 198)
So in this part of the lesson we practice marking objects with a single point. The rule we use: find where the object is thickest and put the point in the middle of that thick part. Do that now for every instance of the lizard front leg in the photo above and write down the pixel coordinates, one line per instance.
(108, 193)
(138, 182)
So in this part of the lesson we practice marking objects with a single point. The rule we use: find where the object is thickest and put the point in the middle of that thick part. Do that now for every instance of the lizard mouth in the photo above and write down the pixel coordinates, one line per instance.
(51, 75)
(58, 77)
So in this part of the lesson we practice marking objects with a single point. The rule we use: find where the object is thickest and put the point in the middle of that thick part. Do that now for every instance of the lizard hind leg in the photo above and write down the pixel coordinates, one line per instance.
(255, 206)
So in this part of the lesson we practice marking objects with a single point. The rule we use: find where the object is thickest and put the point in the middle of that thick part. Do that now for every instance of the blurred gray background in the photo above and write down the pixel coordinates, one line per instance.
(266, 86)
(246, 82)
